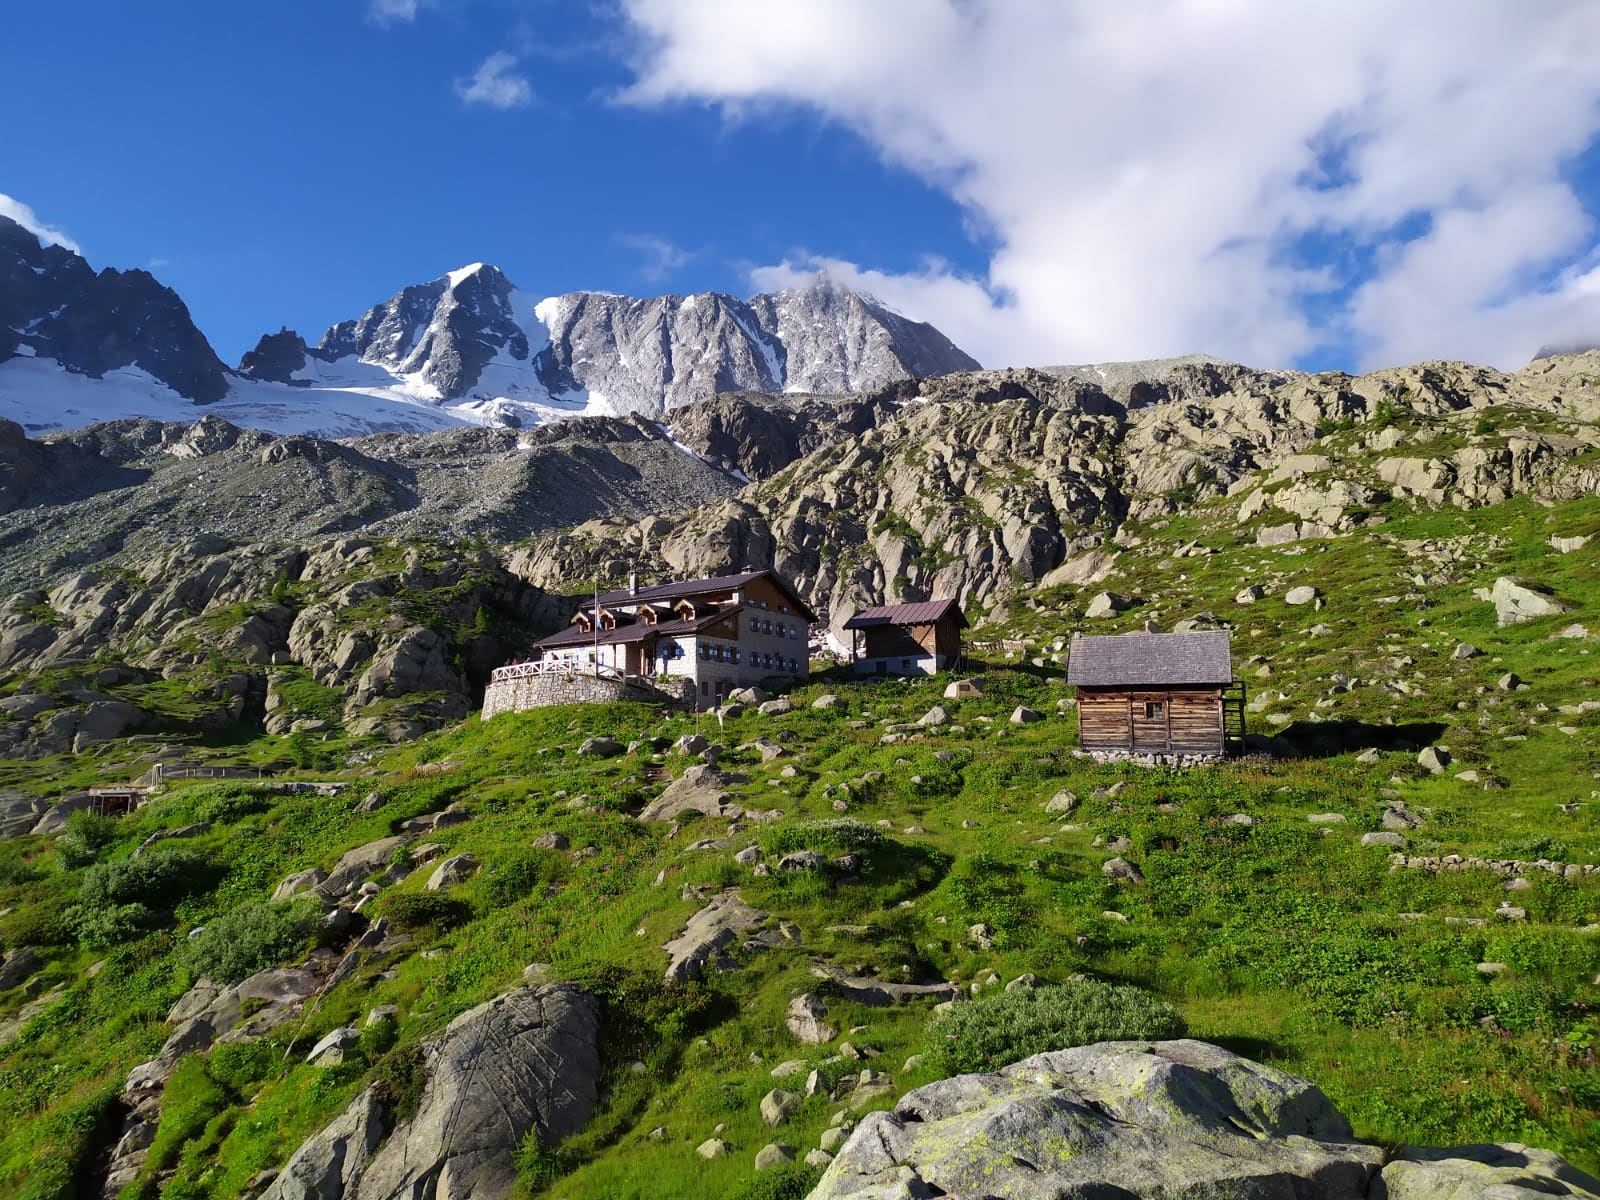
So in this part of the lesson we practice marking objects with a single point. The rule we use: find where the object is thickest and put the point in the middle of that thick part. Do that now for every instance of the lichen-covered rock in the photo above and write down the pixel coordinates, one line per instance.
(1492, 1172)
(1162, 1119)
(1178, 1118)
(702, 789)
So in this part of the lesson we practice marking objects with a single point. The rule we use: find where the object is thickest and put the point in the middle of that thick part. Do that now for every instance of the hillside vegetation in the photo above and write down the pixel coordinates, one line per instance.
(1438, 981)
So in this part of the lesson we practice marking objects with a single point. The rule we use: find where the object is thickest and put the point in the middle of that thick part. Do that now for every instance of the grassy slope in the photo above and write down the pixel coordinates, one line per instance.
(1281, 939)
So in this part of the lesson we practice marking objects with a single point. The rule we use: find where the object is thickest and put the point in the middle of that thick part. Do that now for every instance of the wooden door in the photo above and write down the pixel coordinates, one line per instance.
(1150, 718)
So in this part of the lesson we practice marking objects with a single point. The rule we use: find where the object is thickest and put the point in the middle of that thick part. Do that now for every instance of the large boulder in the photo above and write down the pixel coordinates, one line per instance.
(355, 865)
(1179, 1118)
(528, 1060)
(1515, 602)
(708, 933)
(702, 789)
(330, 1162)
(1169, 1119)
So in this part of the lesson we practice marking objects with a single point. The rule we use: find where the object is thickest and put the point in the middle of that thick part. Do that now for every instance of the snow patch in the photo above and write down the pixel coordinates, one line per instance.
(460, 274)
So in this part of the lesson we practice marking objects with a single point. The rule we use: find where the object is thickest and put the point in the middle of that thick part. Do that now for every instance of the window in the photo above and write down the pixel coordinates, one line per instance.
(705, 688)
(1155, 710)
(705, 651)
(734, 655)
(755, 625)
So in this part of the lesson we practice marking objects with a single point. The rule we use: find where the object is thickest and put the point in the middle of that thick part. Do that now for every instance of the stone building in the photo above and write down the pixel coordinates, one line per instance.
(719, 634)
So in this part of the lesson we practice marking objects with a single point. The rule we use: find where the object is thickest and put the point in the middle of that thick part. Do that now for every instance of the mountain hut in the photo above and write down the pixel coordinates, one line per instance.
(1157, 693)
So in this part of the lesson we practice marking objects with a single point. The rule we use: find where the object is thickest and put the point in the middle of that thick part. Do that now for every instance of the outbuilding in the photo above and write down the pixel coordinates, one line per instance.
(906, 639)
(1157, 693)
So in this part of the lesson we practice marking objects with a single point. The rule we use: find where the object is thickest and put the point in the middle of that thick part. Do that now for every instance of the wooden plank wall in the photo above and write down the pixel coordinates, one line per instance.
(1190, 721)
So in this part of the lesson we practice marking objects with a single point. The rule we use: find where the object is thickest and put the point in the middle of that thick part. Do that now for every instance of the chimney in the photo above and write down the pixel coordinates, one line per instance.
(633, 583)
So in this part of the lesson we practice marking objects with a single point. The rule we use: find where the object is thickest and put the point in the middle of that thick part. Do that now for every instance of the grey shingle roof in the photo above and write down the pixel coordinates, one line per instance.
(925, 612)
(1150, 659)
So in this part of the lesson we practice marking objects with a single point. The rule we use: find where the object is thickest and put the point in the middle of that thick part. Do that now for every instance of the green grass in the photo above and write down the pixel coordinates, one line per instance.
(1281, 939)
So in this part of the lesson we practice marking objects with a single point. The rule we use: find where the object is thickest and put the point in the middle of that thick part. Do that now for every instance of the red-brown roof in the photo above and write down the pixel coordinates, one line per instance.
(925, 612)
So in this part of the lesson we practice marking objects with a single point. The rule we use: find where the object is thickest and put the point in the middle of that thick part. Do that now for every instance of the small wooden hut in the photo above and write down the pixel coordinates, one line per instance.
(906, 639)
(1157, 693)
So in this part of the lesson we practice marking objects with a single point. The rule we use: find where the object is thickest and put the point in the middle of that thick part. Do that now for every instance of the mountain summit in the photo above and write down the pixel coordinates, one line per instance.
(53, 305)
(471, 338)
(469, 347)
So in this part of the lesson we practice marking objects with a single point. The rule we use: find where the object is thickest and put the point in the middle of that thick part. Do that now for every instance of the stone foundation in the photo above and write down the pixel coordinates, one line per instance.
(544, 691)
(1149, 760)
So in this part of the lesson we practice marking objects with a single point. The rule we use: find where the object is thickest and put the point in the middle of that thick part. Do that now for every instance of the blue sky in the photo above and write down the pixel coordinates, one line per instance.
(1341, 185)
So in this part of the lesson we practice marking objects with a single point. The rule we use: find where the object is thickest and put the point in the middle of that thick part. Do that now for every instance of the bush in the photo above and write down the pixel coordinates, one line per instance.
(120, 900)
(250, 938)
(158, 880)
(791, 1181)
(520, 876)
(87, 834)
(104, 926)
(409, 911)
(842, 834)
(1000, 1029)
(399, 1079)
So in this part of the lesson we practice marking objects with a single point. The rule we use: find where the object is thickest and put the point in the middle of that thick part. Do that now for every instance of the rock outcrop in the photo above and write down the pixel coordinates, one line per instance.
(525, 1062)
(1168, 1119)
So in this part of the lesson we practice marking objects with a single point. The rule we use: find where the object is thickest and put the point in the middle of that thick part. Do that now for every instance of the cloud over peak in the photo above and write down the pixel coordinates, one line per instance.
(29, 220)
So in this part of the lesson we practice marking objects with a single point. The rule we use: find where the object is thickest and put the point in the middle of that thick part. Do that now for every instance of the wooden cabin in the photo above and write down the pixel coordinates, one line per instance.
(1157, 693)
(906, 639)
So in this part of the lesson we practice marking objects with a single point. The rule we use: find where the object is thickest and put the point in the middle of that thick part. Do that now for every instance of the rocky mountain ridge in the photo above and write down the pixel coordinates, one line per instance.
(988, 483)
(464, 348)
(471, 339)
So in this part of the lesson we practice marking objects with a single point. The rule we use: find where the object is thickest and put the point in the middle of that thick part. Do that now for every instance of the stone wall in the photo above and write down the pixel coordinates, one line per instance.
(542, 691)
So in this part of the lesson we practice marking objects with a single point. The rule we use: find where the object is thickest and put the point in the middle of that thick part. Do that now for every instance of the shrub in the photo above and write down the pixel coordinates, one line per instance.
(233, 805)
(844, 834)
(250, 938)
(408, 911)
(104, 926)
(87, 834)
(791, 1181)
(120, 900)
(1002, 1028)
(520, 876)
(157, 879)
(399, 1079)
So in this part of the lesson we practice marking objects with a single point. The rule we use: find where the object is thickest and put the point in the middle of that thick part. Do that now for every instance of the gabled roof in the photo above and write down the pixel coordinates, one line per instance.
(1150, 659)
(574, 637)
(689, 589)
(926, 612)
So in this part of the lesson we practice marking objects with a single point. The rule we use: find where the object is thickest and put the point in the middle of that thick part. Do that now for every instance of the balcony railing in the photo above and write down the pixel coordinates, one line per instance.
(528, 670)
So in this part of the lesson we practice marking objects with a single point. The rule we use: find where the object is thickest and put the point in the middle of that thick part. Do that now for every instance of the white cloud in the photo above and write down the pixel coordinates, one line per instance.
(1151, 172)
(659, 257)
(495, 84)
(391, 12)
(25, 216)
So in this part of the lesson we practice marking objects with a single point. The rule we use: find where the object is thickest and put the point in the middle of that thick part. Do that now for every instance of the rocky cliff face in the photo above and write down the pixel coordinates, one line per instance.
(601, 353)
(983, 483)
(53, 305)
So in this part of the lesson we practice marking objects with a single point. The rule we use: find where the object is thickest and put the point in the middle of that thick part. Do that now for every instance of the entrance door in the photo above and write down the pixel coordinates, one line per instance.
(1151, 721)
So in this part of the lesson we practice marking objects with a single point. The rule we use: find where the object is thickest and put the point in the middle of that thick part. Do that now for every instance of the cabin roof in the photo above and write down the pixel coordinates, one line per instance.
(688, 589)
(1150, 659)
(925, 612)
(622, 635)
